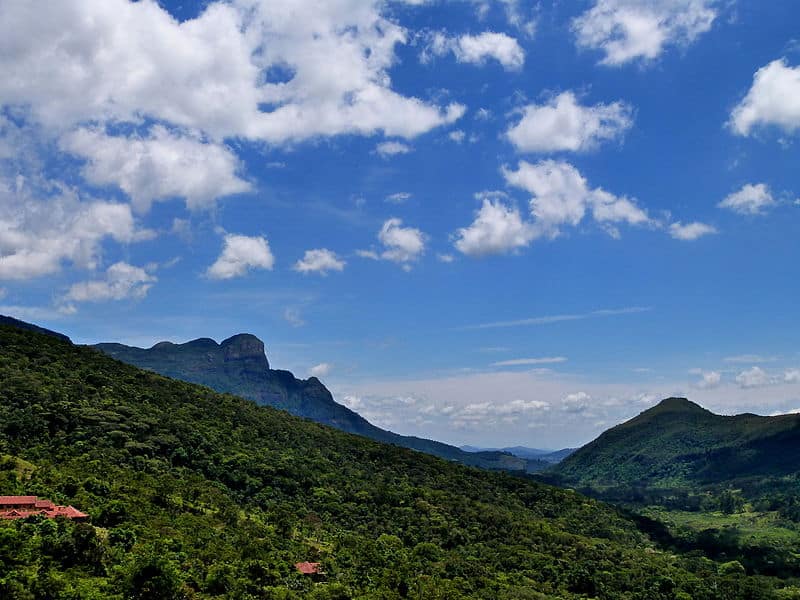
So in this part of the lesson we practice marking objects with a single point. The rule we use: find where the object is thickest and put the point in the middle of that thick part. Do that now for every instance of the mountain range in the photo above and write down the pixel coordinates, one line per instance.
(550, 456)
(239, 366)
(679, 443)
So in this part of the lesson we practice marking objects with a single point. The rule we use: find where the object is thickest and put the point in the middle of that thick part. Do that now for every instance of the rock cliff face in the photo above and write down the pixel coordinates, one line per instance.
(239, 366)
(245, 347)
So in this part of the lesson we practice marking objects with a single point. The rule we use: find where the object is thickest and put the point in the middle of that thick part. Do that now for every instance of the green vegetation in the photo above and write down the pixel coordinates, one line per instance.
(239, 366)
(724, 487)
(194, 494)
(678, 444)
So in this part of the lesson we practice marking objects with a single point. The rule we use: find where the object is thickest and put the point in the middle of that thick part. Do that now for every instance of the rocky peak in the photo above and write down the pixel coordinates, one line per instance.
(244, 346)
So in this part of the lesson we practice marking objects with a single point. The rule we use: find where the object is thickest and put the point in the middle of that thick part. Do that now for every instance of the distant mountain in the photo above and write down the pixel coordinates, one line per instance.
(12, 322)
(239, 366)
(550, 456)
(680, 443)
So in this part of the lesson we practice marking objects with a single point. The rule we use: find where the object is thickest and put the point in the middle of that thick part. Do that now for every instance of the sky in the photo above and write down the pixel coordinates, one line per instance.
(488, 222)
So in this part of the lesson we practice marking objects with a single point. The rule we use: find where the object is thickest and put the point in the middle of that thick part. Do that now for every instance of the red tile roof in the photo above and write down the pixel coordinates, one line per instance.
(309, 568)
(22, 507)
(17, 500)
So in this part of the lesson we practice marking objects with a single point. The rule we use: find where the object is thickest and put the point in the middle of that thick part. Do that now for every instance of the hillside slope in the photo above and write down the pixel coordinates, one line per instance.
(239, 366)
(195, 494)
(678, 442)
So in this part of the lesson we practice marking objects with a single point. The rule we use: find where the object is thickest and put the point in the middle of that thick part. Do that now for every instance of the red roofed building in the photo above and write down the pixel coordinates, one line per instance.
(22, 507)
(309, 568)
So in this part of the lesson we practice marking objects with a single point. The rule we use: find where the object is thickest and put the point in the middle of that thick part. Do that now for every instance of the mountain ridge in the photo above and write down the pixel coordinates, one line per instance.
(678, 442)
(239, 365)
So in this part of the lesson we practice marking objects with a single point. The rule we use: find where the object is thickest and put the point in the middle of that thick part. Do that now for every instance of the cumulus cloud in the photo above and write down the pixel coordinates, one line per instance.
(708, 379)
(773, 100)
(321, 370)
(319, 261)
(402, 245)
(630, 30)
(562, 124)
(477, 49)
(792, 376)
(690, 231)
(121, 281)
(576, 402)
(750, 200)
(160, 166)
(498, 228)
(753, 377)
(240, 254)
(38, 235)
(562, 196)
(115, 60)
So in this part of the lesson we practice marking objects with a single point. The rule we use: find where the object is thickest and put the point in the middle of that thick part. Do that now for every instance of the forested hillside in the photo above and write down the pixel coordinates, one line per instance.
(679, 443)
(239, 365)
(194, 494)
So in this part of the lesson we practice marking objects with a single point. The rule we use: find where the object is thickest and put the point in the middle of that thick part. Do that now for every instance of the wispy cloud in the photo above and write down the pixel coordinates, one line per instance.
(546, 320)
(749, 359)
(518, 362)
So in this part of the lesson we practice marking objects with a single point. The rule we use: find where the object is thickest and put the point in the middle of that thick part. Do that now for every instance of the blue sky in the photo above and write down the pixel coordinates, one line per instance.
(483, 221)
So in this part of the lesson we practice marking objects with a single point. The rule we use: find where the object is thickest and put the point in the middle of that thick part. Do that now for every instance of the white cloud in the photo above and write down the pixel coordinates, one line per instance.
(708, 379)
(445, 258)
(114, 60)
(457, 136)
(576, 402)
(550, 319)
(477, 49)
(292, 316)
(38, 235)
(398, 197)
(520, 362)
(773, 100)
(160, 166)
(753, 377)
(630, 30)
(750, 200)
(402, 245)
(321, 370)
(562, 196)
(792, 376)
(121, 281)
(370, 254)
(240, 254)
(392, 148)
(562, 124)
(690, 231)
(497, 228)
(319, 261)
(750, 358)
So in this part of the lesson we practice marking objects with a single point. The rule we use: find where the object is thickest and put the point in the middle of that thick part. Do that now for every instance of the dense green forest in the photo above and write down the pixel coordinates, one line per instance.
(194, 494)
(723, 486)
